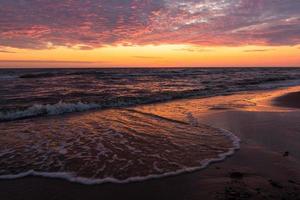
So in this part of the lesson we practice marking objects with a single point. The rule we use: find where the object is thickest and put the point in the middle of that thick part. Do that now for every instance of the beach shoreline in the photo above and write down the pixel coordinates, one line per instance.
(264, 167)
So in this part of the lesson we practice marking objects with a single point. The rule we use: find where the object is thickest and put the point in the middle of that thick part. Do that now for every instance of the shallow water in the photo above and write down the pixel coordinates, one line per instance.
(108, 146)
(38, 92)
(125, 141)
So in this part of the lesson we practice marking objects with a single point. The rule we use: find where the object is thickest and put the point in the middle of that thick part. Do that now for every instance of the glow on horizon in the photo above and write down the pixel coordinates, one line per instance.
(154, 56)
(150, 33)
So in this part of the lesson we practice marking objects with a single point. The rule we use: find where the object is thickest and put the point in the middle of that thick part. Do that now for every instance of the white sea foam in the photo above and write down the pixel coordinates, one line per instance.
(169, 128)
(63, 107)
(69, 176)
(48, 109)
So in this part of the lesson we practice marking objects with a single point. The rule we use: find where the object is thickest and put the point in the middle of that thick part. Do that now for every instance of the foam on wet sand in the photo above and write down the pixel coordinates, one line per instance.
(266, 133)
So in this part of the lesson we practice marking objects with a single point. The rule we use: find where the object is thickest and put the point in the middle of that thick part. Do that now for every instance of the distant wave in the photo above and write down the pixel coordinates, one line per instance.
(40, 110)
(278, 84)
(64, 107)
(39, 75)
(57, 74)
(7, 77)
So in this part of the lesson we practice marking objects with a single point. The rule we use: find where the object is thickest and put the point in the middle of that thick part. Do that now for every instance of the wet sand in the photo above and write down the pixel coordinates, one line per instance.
(266, 167)
(289, 100)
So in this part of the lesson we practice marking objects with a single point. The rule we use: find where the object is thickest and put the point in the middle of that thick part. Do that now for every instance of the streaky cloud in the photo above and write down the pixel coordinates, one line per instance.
(147, 57)
(258, 50)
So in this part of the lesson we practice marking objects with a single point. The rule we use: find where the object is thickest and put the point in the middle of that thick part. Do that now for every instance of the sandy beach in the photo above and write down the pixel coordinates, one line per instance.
(289, 100)
(267, 166)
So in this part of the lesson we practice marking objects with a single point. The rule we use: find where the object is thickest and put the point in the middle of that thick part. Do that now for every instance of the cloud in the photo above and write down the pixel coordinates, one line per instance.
(147, 57)
(83, 47)
(6, 51)
(195, 49)
(258, 50)
(36, 24)
(47, 61)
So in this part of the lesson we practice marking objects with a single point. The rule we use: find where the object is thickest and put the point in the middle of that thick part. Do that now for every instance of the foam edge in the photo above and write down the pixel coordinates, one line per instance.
(89, 181)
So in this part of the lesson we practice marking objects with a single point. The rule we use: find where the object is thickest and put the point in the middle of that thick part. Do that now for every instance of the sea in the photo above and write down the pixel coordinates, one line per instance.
(80, 125)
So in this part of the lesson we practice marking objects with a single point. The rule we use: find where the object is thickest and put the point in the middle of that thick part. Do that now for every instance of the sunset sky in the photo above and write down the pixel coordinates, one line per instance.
(149, 33)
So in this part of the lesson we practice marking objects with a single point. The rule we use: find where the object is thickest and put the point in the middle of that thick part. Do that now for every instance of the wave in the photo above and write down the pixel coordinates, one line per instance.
(71, 177)
(279, 84)
(38, 75)
(62, 107)
(56, 74)
(7, 77)
(48, 109)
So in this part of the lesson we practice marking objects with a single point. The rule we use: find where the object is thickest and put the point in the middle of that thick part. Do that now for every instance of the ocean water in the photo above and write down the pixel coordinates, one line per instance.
(31, 92)
(80, 125)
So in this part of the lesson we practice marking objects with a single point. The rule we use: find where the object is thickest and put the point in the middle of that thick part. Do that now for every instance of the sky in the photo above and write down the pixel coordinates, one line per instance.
(149, 33)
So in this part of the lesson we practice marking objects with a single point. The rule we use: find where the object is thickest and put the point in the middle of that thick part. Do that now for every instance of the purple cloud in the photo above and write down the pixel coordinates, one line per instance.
(40, 24)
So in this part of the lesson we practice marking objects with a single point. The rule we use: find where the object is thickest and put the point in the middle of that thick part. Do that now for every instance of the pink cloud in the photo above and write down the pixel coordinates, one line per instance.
(94, 23)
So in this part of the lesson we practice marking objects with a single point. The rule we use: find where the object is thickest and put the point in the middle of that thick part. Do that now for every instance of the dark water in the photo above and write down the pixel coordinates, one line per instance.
(119, 144)
(29, 93)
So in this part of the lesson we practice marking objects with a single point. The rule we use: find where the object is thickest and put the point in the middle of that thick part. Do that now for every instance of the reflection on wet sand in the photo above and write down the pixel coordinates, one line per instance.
(115, 145)
(266, 167)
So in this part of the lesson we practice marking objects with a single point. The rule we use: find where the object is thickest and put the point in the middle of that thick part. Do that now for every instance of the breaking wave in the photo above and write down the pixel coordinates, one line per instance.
(32, 93)
(40, 110)
(64, 107)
